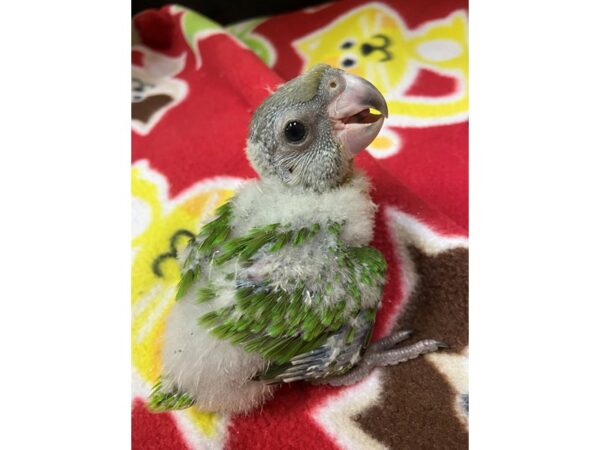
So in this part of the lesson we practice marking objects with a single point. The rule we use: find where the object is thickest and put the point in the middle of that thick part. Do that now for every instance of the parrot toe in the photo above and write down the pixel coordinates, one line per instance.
(401, 354)
(383, 353)
(390, 341)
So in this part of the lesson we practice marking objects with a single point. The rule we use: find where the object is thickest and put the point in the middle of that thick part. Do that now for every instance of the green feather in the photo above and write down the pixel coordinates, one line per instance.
(276, 328)
(216, 238)
(231, 249)
(294, 315)
(258, 343)
(185, 282)
(300, 236)
(255, 244)
(257, 327)
(278, 311)
(191, 255)
(160, 401)
(244, 294)
(365, 278)
(339, 319)
(335, 228)
(240, 337)
(350, 335)
(291, 350)
(211, 318)
(225, 210)
(223, 331)
(354, 291)
(206, 294)
(276, 347)
(309, 323)
(314, 229)
(328, 289)
(328, 316)
(281, 240)
(370, 314)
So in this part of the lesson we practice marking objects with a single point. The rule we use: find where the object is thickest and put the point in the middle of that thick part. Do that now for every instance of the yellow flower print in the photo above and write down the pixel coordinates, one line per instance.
(161, 226)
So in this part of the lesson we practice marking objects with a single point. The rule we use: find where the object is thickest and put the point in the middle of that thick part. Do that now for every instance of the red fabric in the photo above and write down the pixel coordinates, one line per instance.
(431, 84)
(157, 29)
(205, 135)
(283, 423)
(154, 431)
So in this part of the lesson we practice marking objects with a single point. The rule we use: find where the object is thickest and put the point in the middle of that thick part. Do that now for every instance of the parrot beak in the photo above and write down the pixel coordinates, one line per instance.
(352, 121)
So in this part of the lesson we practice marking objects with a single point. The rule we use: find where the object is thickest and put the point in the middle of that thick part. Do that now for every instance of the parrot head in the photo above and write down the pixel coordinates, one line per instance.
(308, 131)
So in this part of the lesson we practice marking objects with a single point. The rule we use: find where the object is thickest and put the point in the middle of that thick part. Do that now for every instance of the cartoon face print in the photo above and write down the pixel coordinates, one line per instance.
(139, 89)
(154, 89)
(376, 49)
(364, 42)
(373, 42)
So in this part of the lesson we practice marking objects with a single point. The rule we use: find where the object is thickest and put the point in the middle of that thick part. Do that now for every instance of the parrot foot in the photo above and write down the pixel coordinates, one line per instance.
(383, 353)
(392, 356)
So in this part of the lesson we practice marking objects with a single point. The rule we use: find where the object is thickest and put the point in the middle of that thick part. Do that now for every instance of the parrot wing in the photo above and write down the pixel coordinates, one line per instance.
(339, 353)
(299, 340)
(302, 335)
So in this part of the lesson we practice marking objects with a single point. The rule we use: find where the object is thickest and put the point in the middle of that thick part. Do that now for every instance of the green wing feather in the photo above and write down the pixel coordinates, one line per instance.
(211, 237)
(160, 400)
(277, 324)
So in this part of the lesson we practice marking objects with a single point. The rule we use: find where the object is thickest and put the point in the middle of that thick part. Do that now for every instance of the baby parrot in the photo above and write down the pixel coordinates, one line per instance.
(282, 285)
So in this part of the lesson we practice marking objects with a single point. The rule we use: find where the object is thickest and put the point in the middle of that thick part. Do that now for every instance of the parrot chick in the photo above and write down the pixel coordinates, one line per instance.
(281, 285)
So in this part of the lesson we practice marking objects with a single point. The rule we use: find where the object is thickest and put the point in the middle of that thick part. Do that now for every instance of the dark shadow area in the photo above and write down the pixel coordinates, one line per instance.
(228, 12)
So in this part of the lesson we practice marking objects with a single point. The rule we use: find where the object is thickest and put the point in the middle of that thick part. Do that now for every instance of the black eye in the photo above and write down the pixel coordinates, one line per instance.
(347, 44)
(295, 131)
(348, 62)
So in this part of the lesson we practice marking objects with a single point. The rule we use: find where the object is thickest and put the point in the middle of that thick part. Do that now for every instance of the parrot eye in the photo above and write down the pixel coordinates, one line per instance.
(295, 131)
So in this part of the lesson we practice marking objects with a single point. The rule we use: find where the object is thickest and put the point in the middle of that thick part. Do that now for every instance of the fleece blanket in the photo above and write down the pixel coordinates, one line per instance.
(194, 88)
